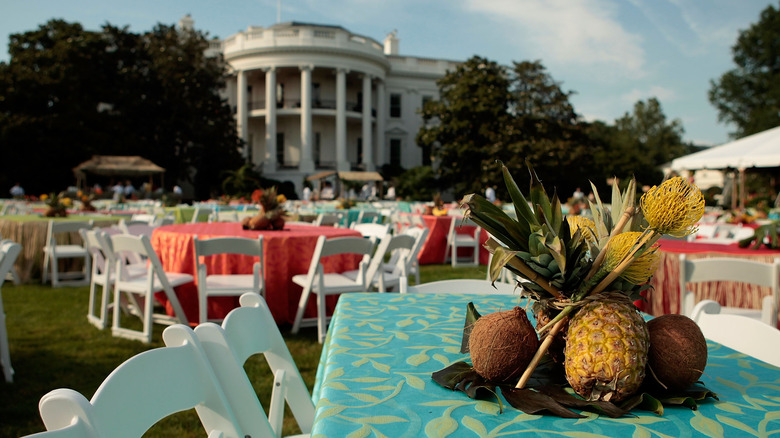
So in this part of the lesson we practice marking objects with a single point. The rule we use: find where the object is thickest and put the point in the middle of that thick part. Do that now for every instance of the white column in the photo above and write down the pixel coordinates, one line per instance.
(270, 164)
(368, 148)
(241, 110)
(342, 162)
(307, 161)
(381, 116)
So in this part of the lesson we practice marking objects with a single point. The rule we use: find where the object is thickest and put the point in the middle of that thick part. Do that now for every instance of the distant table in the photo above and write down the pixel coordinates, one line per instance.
(286, 253)
(434, 251)
(664, 297)
(375, 380)
(30, 231)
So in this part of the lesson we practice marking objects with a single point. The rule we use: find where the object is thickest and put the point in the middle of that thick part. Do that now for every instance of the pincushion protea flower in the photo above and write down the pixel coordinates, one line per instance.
(674, 207)
(586, 226)
(641, 269)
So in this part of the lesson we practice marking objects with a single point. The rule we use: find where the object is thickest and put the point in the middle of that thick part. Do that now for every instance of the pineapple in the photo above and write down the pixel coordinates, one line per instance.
(606, 350)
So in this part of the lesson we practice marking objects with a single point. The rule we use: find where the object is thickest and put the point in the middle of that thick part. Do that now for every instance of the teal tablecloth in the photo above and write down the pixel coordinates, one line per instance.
(375, 380)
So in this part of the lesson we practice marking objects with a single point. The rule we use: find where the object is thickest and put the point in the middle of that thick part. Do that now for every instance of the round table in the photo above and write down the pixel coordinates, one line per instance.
(664, 296)
(286, 253)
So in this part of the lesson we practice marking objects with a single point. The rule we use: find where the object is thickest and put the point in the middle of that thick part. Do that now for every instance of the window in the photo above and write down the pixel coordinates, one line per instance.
(280, 149)
(395, 105)
(279, 96)
(317, 158)
(315, 94)
(425, 99)
(360, 150)
(395, 151)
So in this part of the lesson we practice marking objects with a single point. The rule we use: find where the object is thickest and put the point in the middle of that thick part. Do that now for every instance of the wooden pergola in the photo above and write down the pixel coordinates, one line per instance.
(117, 165)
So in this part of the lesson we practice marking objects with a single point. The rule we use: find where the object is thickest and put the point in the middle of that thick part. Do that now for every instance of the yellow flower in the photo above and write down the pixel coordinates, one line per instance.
(642, 268)
(674, 207)
(44, 197)
(439, 211)
(66, 202)
(281, 199)
(585, 225)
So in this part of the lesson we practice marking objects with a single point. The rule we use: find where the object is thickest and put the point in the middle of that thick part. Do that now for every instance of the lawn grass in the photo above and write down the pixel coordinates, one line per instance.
(53, 346)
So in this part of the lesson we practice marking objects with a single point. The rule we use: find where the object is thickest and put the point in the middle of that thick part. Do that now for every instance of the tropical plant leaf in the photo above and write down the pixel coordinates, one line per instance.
(522, 208)
(462, 377)
(569, 400)
(531, 401)
(472, 315)
(645, 402)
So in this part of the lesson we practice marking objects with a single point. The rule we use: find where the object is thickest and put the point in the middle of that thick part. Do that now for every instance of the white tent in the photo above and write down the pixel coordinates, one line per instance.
(757, 150)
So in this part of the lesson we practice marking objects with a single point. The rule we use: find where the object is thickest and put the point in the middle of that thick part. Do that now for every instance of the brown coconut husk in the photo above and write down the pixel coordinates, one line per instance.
(543, 316)
(502, 344)
(678, 351)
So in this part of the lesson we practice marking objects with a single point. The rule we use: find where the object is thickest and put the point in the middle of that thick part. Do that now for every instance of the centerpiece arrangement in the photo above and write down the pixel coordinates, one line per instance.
(271, 215)
(591, 348)
(57, 204)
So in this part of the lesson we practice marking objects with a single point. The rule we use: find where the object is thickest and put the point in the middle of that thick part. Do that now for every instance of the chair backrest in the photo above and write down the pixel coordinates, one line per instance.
(462, 286)
(342, 245)
(58, 227)
(399, 249)
(141, 246)
(9, 252)
(738, 332)
(146, 218)
(730, 269)
(201, 211)
(371, 230)
(420, 235)
(248, 330)
(136, 228)
(328, 219)
(229, 245)
(143, 390)
(224, 216)
(372, 217)
(95, 247)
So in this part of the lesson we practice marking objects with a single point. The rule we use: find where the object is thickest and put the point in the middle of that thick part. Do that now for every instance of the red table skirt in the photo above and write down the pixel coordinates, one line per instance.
(285, 253)
(664, 297)
(434, 249)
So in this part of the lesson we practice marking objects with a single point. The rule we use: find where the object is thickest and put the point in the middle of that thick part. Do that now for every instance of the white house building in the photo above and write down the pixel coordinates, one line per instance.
(310, 98)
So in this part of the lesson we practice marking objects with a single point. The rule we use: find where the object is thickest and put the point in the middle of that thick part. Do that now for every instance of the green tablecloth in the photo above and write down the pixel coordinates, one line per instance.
(375, 380)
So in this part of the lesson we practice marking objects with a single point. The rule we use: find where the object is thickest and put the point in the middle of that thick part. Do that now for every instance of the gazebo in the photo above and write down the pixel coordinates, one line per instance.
(117, 165)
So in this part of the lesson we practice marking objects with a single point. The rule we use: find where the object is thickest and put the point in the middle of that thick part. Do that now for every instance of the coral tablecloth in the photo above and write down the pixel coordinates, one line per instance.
(434, 251)
(374, 379)
(285, 253)
(665, 296)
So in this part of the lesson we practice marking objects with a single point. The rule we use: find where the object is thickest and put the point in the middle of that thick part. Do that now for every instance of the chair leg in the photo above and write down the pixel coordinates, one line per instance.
(322, 327)
(301, 309)
(148, 310)
(45, 270)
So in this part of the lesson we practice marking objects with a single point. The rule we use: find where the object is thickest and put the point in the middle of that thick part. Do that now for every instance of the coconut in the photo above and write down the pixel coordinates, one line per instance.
(259, 222)
(678, 351)
(502, 345)
(555, 350)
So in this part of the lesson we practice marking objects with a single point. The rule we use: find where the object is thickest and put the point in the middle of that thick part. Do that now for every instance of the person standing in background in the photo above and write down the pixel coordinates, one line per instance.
(17, 191)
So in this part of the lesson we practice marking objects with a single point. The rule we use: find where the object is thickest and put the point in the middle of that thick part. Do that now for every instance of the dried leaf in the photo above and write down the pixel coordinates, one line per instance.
(533, 402)
(471, 317)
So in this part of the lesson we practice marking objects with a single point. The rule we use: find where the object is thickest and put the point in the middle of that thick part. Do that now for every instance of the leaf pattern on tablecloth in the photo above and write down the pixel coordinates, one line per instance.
(383, 348)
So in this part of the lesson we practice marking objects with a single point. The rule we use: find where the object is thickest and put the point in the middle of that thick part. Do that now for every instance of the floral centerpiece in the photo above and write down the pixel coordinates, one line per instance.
(57, 204)
(271, 215)
(582, 277)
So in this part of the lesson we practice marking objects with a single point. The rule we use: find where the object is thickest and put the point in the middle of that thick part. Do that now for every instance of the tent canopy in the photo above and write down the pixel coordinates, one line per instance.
(347, 176)
(757, 150)
(116, 165)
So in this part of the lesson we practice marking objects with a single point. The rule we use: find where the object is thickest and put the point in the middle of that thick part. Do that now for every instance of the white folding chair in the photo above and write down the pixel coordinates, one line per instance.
(224, 216)
(12, 275)
(58, 248)
(738, 332)
(136, 228)
(736, 270)
(100, 276)
(328, 219)
(9, 251)
(377, 231)
(397, 248)
(141, 288)
(412, 265)
(221, 285)
(201, 213)
(143, 390)
(145, 218)
(461, 237)
(461, 286)
(317, 282)
(370, 217)
(248, 330)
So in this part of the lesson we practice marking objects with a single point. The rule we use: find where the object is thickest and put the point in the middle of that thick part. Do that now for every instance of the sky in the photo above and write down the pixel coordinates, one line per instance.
(609, 53)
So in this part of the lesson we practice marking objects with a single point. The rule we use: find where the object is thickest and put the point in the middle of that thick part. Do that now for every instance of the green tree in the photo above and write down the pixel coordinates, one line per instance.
(487, 112)
(466, 123)
(67, 94)
(641, 142)
(749, 95)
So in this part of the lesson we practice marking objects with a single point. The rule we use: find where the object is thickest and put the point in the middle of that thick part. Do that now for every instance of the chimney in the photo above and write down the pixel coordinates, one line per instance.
(391, 43)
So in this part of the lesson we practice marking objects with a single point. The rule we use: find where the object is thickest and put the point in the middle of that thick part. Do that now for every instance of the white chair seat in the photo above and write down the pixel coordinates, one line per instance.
(69, 250)
(141, 283)
(235, 282)
(340, 281)
(54, 251)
